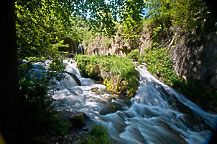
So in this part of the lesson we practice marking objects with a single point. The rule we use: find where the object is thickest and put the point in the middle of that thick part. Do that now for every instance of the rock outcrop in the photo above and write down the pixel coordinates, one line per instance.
(192, 61)
(197, 61)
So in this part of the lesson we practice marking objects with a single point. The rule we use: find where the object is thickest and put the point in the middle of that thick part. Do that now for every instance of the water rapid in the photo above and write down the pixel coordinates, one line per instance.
(156, 115)
(159, 115)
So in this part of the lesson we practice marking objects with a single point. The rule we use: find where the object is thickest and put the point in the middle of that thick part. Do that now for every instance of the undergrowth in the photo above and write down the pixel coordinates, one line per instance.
(135, 55)
(160, 64)
(97, 135)
(117, 73)
(35, 94)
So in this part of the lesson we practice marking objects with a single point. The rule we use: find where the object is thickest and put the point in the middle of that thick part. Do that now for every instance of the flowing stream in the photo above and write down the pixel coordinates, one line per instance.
(156, 115)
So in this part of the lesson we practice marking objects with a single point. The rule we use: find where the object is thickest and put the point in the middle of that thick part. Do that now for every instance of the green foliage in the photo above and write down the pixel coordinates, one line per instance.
(132, 21)
(135, 54)
(97, 135)
(42, 28)
(120, 68)
(159, 18)
(100, 14)
(166, 17)
(35, 95)
(132, 18)
(160, 63)
(190, 15)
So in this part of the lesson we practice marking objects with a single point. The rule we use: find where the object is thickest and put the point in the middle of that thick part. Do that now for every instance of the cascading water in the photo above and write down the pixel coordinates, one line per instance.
(159, 115)
(156, 115)
(88, 97)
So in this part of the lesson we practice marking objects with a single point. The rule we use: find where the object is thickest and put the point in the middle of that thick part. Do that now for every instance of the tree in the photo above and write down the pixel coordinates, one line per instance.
(185, 14)
(132, 21)
(11, 122)
(42, 29)
(103, 14)
(192, 16)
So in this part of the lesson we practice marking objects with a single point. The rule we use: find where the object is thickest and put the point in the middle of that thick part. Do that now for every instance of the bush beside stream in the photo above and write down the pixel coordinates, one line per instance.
(117, 73)
(159, 63)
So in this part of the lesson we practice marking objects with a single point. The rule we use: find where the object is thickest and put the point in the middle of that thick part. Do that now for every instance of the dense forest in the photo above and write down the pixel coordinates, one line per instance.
(176, 40)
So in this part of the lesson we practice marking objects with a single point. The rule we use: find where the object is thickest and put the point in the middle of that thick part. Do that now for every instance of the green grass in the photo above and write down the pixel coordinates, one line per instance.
(135, 55)
(97, 135)
(117, 73)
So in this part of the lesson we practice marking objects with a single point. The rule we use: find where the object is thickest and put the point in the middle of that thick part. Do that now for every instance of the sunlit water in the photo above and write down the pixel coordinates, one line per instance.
(156, 115)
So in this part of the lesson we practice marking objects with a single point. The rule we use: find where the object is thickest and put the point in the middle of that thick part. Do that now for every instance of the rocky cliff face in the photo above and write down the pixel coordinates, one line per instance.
(103, 45)
(117, 45)
(191, 61)
(197, 61)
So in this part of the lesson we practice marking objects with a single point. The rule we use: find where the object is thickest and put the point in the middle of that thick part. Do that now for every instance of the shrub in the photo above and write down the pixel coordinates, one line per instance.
(36, 100)
(120, 74)
(160, 63)
(135, 54)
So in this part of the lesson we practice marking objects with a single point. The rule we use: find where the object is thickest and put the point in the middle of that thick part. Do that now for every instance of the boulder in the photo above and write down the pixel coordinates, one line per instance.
(78, 121)
(75, 78)
(95, 89)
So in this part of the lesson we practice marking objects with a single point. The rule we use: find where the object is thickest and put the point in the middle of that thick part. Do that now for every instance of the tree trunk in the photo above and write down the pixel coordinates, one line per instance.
(10, 112)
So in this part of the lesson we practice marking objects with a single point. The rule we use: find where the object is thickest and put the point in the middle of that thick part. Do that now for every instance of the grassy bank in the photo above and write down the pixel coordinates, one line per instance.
(117, 73)
(160, 64)
(97, 135)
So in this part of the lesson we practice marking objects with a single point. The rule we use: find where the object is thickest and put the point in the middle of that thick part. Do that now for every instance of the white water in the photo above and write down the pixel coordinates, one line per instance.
(159, 115)
(156, 115)
(75, 98)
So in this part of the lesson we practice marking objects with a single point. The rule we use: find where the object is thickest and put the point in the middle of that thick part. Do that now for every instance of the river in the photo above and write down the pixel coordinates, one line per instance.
(156, 115)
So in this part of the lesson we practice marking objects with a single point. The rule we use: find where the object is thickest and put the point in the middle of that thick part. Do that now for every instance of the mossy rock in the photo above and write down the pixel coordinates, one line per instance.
(117, 73)
(78, 121)
(95, 89)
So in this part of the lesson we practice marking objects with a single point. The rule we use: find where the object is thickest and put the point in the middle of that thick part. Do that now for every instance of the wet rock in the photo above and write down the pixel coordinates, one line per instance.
(72, 138)
(75, 78)
(94, 89)
(78, 120)
(85, 129)
(100, 92)
(108, 108)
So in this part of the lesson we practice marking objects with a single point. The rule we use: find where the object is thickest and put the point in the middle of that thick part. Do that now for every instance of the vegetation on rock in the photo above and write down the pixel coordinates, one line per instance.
(117, 73)
(135, 55)
(159, 62)
(169, 22)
